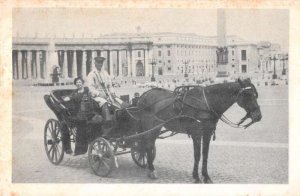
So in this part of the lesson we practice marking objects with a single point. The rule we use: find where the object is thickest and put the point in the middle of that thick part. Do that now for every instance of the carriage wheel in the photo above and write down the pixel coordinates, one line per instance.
(101, 157)
(139, 155)
(53, 141)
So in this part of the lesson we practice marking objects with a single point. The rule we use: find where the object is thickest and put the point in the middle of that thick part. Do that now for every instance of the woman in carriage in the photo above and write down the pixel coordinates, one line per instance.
(84, 111)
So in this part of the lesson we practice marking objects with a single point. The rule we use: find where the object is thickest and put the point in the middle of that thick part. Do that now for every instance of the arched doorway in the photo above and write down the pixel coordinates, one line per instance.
(139, 68)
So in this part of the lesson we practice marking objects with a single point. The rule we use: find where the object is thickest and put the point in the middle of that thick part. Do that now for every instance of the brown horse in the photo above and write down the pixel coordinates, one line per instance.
(194, 110)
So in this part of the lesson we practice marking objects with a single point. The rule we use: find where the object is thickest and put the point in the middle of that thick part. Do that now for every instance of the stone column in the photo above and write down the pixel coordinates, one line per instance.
(128, 58)
(20, 65)
(133, 64)
(15, 63)
(29, 64)
(83, 67)
(47, 66)
(94, 54)
(105, 63)
(38, 64)
(110, 63)
(119, 57)
(65, 65)
(74, 66)
(146, 57)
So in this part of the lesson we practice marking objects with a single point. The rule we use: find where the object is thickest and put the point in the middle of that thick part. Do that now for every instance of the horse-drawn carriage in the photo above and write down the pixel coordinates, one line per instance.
(81, 133)
(194, 110)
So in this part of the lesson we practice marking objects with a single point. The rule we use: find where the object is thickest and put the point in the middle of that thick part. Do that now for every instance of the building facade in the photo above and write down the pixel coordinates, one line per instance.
(134, 55)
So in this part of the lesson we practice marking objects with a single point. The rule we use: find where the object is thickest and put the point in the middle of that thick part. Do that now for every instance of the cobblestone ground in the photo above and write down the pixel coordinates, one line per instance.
(255, 155)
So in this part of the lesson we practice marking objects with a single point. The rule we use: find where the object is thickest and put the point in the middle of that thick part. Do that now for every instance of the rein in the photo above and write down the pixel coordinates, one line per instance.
(223, 117)
(163, 122)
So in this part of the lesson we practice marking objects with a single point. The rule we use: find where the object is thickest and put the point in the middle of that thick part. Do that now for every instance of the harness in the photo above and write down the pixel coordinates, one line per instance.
(181, 95)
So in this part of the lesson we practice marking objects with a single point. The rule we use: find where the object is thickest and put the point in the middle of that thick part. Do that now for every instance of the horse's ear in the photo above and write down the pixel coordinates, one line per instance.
(248, 79)
(240, 82)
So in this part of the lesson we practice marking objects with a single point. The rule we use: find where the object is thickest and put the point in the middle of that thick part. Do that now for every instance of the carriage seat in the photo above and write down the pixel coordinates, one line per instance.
(58, 95)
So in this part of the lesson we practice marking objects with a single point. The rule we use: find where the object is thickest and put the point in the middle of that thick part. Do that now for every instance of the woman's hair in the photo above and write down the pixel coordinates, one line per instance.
(78, 78)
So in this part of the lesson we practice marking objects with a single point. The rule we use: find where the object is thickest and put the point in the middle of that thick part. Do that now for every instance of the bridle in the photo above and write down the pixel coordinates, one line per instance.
(223, 117)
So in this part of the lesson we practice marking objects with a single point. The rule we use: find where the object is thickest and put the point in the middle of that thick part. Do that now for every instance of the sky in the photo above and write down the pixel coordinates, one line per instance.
(253, 25)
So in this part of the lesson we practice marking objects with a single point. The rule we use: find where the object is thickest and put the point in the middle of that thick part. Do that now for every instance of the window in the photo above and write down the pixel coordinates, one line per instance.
(232, 65)
(169, 68)
(244, 68)
(159, 53)
(169, 53)
(232, 52)
(244, 55)
(169, 61)
(139, 53)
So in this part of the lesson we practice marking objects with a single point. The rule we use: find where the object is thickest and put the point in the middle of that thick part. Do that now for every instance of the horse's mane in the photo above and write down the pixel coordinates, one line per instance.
(153, 95)
(159, 90)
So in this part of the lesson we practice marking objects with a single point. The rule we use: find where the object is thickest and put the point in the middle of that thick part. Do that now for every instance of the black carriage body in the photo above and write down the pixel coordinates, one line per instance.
(76, 125)
(73, 127)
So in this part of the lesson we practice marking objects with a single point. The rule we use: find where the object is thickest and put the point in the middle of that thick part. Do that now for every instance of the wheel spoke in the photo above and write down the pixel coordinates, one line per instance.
(49, 128)
(51, 148)
(55, 153)
(52, 155)
(52, 127)
(139, 157)
(57, 150)
(105, 164)
(56, 131)
(60, 148)
(144, 162)
(103, 147)
(48, 136)
(98, 165)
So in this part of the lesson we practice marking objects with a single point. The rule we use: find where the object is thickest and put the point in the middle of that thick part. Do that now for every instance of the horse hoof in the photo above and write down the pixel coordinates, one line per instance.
(153, 175)
(197, 181)
(207, 180)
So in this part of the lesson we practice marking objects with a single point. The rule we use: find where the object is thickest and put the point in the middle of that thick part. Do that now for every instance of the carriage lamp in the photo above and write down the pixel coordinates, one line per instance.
(274, 74)
(284, 59)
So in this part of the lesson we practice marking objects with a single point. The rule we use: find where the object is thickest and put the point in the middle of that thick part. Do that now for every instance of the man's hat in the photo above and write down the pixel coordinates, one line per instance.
(99, 59)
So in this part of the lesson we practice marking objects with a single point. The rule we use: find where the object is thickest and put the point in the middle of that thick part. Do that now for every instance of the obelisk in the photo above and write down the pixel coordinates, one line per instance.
(222, 51)
(52, 59)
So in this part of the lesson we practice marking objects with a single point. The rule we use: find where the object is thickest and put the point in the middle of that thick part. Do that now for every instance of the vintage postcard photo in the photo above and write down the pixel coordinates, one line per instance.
(145, 96)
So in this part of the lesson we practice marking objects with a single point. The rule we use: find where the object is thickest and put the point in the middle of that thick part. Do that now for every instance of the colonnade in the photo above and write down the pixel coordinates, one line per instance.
(35, 64)
(30, 64)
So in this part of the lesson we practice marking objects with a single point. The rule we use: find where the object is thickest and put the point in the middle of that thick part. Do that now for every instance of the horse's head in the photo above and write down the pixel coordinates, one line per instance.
(247, 99)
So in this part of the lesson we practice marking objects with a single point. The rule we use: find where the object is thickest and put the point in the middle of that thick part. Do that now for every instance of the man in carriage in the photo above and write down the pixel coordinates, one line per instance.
(102, 91)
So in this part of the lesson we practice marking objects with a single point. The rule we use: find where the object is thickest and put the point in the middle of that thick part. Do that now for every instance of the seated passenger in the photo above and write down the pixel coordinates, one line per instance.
(81, 109)
(135, 99)
(100, 84)
(77, 94)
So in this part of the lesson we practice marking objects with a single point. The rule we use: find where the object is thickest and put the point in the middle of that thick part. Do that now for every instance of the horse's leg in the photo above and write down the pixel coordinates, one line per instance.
(205, 149)
(197, 155)
(150, 158)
